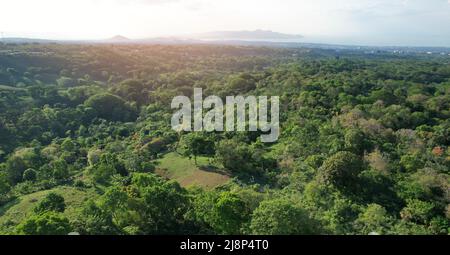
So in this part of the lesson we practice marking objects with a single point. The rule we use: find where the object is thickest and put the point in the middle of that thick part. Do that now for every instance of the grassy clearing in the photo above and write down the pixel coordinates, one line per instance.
(173, 166)
(14, 212)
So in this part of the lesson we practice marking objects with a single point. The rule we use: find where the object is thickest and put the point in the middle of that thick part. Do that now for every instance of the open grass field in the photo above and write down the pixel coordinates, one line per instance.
(171, 166)
(15, 211)
(175, 167)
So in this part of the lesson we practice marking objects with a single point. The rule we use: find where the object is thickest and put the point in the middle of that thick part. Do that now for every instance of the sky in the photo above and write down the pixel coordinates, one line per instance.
(364, 22)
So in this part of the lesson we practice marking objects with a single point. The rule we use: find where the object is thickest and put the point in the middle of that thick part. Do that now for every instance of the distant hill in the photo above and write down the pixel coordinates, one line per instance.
(246, 38)
(256, 35)
(118, 39)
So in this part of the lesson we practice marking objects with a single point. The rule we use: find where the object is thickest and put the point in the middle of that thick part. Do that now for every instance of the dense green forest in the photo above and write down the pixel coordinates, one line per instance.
(86, 144)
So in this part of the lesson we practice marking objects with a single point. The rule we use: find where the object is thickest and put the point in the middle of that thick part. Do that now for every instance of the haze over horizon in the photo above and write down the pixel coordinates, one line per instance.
(362, 22)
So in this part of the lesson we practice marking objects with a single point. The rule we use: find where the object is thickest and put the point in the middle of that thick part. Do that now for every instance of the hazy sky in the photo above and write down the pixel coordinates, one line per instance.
(375, 22)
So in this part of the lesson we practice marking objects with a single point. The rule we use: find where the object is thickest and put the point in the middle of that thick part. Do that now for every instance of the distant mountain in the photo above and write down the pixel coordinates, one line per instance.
(256, 35)
(246, 38)
(118, 39)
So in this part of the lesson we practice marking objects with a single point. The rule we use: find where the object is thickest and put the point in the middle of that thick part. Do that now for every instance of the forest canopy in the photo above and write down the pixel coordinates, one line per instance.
(86, 144)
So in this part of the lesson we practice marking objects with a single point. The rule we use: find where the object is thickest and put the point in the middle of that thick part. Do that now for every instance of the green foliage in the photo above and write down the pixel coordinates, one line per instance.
(374, 219)
(163, 207)
(242, 83)
(132, 90)
(60, 169)
(155, 146)
(282, 217)
(29, 175)
(355, 141)
(342, 170)
(234, 156)
(364, 144)
(5, 187)
(107, 166)
(111, 107)
(47, 223)
(15, 166)
(220, 212)
(147, 206)
(52, 202)
(94, 220)
(417, 211)
(229, 214)
(195, 144)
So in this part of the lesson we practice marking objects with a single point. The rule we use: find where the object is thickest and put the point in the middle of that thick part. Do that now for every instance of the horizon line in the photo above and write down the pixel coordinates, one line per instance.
(147, 40)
